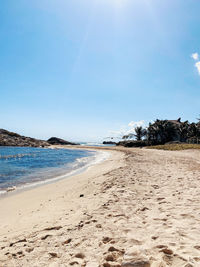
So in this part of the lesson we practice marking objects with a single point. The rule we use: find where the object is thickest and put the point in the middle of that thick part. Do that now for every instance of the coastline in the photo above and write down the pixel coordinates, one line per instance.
(99, 157)
(30, 199)
(139, 207)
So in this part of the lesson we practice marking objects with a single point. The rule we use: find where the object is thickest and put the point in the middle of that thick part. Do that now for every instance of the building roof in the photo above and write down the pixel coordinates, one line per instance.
(177, 122)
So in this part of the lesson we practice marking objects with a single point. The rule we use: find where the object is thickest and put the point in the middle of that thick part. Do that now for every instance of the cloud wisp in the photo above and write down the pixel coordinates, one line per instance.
(126, 130)
(197, 65)
(195, 56)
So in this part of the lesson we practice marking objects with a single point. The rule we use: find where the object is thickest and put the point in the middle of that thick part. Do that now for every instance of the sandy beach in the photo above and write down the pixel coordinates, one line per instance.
(138, 208)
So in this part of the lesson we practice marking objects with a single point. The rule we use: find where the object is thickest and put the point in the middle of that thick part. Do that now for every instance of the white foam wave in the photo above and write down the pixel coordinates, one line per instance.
(2, 192)
(77, 167)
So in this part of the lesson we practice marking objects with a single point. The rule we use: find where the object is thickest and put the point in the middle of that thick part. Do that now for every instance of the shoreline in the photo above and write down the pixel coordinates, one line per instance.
(138, 208)
(98, 158)
(35, 196)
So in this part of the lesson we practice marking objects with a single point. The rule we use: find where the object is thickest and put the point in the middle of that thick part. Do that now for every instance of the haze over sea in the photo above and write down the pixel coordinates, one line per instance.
(24, 166)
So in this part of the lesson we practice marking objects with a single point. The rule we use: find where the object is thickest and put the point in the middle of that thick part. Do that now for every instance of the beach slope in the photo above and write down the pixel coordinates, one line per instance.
(138, 208)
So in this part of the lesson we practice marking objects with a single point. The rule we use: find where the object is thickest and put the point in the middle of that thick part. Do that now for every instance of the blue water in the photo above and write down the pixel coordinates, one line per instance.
(21, 166)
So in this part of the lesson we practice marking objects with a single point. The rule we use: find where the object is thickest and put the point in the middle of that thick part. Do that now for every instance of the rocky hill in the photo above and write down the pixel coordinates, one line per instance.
(13, 139)
(59, 141)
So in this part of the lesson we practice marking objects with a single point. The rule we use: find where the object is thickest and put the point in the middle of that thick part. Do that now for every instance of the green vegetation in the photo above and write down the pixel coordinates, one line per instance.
(174, 147)
(161, 132)
(165, 134)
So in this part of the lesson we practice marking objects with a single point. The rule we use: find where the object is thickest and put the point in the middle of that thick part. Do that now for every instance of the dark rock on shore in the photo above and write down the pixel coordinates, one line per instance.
(59, 141)
(109, 143)
(13, 139)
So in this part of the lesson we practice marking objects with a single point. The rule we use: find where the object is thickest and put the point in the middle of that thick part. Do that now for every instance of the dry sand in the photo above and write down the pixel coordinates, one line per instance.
(139, 208)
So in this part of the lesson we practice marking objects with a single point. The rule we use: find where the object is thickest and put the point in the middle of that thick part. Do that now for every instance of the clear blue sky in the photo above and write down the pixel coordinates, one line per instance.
(81, 68)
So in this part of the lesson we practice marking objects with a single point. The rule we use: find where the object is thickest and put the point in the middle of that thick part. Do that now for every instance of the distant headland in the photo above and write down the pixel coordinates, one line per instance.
(13, 139)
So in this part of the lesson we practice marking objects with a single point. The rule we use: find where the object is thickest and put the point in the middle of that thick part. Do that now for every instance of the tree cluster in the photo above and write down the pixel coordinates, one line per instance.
(164, 131)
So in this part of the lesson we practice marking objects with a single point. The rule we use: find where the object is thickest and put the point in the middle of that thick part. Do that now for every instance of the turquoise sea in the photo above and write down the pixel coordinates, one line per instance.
(25, 166)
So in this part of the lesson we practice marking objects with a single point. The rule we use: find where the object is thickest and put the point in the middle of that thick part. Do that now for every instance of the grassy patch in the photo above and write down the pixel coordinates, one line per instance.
(174, 147)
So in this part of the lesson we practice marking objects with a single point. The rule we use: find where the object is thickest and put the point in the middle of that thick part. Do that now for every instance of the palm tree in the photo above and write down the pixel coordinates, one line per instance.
(161, 131)
(128, 136)
(194, 132)
(183, 130)
(139, 133)
(152, 134)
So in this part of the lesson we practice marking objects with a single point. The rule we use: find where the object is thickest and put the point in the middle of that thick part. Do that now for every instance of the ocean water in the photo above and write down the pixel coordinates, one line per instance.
(24, 166)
